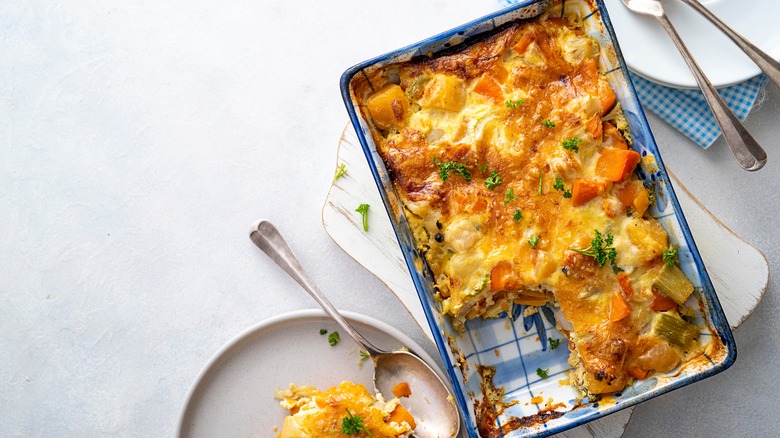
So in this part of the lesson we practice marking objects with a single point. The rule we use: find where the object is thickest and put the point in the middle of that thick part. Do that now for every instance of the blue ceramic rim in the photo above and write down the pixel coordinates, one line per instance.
(714, 309)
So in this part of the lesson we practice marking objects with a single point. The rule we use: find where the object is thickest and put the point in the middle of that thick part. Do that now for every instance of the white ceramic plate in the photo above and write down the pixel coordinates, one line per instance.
(649, 52)
(233, 395)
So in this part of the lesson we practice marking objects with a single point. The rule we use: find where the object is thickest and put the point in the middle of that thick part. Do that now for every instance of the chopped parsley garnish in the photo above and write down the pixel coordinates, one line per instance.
(558, 185)
(363, 355)
(483, 167)
(518, 216)
(600, 249)
(363, 210)
(670, 256)
(554, 343)
(353, 425)
(493, 180)
(541, 182)
(452, 166)
(542, 373)
(548, 123)
(572, 144)
(323, 331)
(340, 172)
(533, 241)
(333, 339)
(510, 196)
(514, 103)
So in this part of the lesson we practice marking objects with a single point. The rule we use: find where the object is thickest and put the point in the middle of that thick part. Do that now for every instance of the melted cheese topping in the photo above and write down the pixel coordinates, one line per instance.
(526, 106)
(320, 414)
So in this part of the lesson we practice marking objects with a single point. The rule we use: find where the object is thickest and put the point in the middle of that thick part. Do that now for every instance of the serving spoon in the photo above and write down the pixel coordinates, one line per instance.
(746, 150)
(430, 402)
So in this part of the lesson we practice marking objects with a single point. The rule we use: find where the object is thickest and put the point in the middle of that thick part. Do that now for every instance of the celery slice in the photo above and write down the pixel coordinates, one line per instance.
(674, 330)
(673, 283)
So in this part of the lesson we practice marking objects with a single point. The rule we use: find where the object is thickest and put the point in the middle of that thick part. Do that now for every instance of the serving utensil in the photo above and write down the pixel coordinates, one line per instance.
(767, 64)
(430, 401)
(746, 150)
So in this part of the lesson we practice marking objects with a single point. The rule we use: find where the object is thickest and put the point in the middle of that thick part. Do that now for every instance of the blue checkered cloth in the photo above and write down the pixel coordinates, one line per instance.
(686, 110)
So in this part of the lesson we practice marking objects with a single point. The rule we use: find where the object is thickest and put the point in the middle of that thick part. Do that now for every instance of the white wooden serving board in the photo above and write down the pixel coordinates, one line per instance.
(739, 271)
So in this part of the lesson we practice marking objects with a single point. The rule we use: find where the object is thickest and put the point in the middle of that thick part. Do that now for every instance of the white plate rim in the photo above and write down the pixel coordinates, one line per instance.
(292, 316)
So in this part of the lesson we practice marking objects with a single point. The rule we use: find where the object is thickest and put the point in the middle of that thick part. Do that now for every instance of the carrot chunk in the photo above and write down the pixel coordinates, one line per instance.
(615, 164)
(594, 126)
(400, 415)
(625, 283)
(583, 190)
(502, 276)
(628, 192)
(402, 390)
(621, 308)
(500, 74)
(637, 373)
(641, 202)
(489, 88)
(662, 303)
(612, 137)
(607, 97)
(522, 44)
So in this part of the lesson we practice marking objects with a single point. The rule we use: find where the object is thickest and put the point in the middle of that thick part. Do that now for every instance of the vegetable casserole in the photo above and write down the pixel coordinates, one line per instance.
(514, 167)
(345, 409)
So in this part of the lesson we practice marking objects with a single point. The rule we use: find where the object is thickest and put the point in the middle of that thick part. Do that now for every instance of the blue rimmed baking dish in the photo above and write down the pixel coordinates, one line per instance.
(515, 346)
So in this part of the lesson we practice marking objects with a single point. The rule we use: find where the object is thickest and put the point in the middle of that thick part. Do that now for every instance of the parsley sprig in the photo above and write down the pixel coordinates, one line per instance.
(353, 425)
(558, 185)
(363, 210)
(600, 249)
(333, 339)
(670, 256)
(510, 196)
(542, 373)
(493, 180)
(572, 144)
(554, 343)
(518, 216)
(533, 241)
(514, 103)
(341, 172)
(452, 166)
(548, 123)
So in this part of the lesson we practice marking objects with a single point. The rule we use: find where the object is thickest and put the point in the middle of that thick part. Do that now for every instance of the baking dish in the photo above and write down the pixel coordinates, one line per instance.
(516, 346)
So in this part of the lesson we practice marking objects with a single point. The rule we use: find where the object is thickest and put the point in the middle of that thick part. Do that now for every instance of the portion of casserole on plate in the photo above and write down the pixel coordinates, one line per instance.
(513, 164)
(345, 409)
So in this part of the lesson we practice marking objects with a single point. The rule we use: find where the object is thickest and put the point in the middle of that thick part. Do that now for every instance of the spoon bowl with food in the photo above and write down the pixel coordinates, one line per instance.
(399, 372)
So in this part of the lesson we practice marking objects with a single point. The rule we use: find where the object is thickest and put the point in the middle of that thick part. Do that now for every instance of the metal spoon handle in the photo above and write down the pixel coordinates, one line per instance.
(769, 65)
(268, 239)
(748, 153)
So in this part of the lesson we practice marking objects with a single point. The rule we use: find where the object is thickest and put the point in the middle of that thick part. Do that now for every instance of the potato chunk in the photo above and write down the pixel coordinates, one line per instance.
(444, 92)
(388, 107)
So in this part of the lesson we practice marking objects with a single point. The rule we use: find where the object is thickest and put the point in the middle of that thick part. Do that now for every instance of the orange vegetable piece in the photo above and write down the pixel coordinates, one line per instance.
(400, 415)
(621, 308)
(637, 373)
(615, 164)
(402, 390)
(607, 97)
(641, 202)
(388, 106)
(489, 88)
(628, 192)
(583, 190)
(500, 74)
(662, 303)
(502, 276)
(625, 283)
(594, 126)
(522, 44)
(612, 137)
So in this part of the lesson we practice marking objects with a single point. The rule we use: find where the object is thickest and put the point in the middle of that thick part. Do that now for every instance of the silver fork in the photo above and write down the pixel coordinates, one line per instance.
(746, 150)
